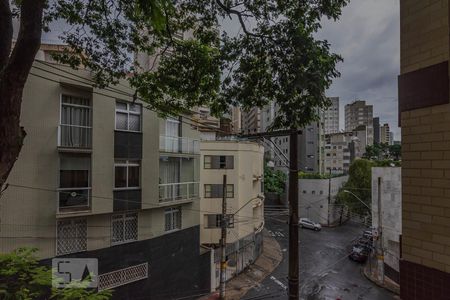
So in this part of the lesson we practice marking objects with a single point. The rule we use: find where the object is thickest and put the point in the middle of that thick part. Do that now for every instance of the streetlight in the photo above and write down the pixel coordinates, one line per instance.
(359, 199)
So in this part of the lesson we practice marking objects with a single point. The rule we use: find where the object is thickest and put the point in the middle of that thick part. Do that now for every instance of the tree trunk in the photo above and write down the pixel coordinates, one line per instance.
(13, 75)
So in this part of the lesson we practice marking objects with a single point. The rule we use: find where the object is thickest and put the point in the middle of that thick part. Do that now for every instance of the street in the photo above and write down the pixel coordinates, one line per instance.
(325, 270)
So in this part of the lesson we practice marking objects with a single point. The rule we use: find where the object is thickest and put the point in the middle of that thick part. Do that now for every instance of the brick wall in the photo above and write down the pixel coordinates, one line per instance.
(426, 186)
(424, 33)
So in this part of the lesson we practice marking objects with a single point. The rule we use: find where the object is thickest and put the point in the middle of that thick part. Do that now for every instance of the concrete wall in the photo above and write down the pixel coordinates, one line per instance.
(313, 198)
(391, 211)
(246, 177)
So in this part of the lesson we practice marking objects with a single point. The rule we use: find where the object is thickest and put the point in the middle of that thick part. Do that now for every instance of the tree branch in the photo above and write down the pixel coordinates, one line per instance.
(240, 15)
(6, 32)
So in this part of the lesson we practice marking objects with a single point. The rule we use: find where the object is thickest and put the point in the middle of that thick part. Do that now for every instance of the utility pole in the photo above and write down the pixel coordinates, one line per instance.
(380, 250)
(329, 197)
(223, 240)
(293, 218)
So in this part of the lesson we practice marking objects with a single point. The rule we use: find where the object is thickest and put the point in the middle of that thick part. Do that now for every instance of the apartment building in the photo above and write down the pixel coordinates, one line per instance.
(330, 117)
(101, 177)
(424, 107)
(357, 114)
(242, 162)
(385, 134)
(376, 130)
(251, 120)
(337, 153)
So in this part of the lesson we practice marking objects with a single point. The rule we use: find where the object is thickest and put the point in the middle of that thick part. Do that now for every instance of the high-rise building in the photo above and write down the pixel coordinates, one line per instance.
(424, 107)
(251, 120)
(385, 134)
(330, 117)
(359, 113)
(376, 130)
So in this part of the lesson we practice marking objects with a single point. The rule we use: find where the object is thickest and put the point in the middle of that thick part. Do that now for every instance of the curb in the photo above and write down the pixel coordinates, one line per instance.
(384, 286)
(264, 265)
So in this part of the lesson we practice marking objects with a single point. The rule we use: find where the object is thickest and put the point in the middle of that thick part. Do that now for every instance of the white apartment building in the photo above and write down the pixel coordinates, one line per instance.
(242, 163)
(330, 117)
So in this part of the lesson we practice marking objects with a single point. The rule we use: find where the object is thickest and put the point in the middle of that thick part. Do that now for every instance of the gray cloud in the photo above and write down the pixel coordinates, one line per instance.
(368, 38)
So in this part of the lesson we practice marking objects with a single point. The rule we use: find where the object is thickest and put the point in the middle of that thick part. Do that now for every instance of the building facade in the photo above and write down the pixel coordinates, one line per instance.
(359, 113)
(243, 164)
(424, 109)
(330, 117)
(337, 153)
(385, 134)
(101, 177)
(251, 120)
(387, 208)
(318, 197)
(376, 130)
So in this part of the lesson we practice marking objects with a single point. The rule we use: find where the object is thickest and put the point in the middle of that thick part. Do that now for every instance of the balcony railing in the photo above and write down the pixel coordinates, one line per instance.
(74, 200)
(178, 191)
(175, 144)
(74, 136)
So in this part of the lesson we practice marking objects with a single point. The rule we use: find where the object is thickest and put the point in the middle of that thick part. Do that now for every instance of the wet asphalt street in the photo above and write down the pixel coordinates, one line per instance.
(326, 273)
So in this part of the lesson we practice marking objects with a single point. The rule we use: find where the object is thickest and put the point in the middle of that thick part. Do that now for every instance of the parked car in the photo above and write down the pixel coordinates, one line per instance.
(359, 254)
(307, 223)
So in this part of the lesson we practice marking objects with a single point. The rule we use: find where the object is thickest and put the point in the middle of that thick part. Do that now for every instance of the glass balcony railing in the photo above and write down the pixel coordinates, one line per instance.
(74, 200)
(175, 144)
(178, 191)
(74, 136)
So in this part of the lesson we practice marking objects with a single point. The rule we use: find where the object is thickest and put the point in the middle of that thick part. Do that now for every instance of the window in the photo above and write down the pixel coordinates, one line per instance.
(313, 192)
(74, 182)
(304, 192)
(172, 127)
(124, 228)
(215, 221)
(76, 122)
(172, 218)
(71, 236)
(127, 174)
(218, 162)
(321, 192)
(216, 191)
(128, 116)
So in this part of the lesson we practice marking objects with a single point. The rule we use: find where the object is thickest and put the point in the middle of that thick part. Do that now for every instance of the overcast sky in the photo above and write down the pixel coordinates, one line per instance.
(368, 37)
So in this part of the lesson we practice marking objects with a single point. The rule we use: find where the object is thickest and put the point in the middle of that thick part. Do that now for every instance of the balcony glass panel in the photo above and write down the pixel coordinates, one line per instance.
(174, 144)
(73, 199)
(178, 191)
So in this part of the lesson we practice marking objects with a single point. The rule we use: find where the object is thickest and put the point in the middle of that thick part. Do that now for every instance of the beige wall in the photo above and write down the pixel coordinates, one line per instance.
(28, 207)
(424, 33)
(246, 177)
(426, 186)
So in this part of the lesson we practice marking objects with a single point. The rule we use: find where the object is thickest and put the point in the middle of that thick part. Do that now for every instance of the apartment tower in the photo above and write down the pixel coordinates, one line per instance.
(359, 113)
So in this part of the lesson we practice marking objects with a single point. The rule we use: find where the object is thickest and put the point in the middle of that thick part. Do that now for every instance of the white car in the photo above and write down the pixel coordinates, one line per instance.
(307, 223)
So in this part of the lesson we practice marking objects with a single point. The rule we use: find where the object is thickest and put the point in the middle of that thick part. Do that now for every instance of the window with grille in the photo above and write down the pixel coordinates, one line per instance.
(218, 162)
(216, 190)
(124, 228)
(172, 218)
(128, 116)
(71, 236)
(75, 129)
(127, 174)
(215, 220)
(122, 277)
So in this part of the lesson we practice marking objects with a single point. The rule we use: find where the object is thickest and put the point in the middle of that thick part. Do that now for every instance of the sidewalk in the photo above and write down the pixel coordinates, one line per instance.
(270, 258)
(373, 276)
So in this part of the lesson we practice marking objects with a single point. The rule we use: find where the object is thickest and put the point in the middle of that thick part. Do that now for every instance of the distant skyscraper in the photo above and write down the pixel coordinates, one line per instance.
(251, 120)
(330, 117)
(391, 138)
(385, 134)
(376, 130)
(357, 114)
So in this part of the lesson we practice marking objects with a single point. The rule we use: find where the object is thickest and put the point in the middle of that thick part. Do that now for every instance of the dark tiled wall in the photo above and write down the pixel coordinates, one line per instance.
(127, 145)
(418, 282)
(125, 200)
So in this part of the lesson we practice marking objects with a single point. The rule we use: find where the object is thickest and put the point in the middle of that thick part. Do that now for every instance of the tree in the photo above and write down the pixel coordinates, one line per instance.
(21, 277)
(277, 58)
(274, 181)
(395, 151)
(360, 184)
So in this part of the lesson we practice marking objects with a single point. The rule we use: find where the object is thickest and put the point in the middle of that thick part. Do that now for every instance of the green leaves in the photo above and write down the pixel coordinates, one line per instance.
(274, 57)
(22, 278)
(274, 181)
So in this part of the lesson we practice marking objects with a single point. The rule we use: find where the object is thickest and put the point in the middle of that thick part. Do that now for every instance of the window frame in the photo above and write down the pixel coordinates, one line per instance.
(72, 223)
(220, 197)
(128, 112)
(123, 218)
(172, 211)
(208, 165)
(127, 164)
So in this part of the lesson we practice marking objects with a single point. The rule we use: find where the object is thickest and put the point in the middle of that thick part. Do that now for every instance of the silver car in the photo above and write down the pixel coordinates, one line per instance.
(307, 223)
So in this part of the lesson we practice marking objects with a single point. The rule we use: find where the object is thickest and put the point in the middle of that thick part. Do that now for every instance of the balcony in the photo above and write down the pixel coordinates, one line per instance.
(74, 137)
(73, 200)
(169, 192)
(173, 144)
